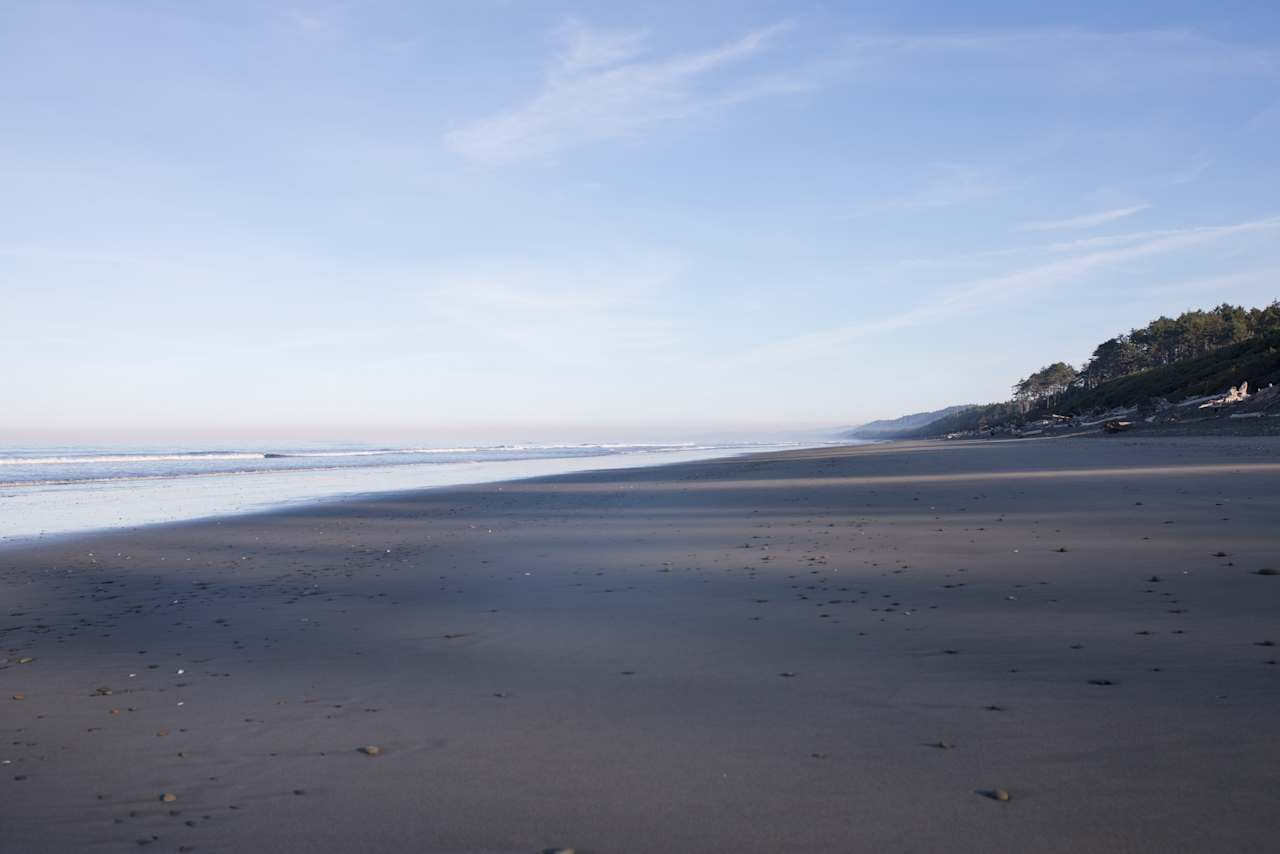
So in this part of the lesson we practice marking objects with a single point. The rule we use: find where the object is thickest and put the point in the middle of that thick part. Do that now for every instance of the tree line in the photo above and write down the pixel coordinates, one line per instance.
(1161, 342)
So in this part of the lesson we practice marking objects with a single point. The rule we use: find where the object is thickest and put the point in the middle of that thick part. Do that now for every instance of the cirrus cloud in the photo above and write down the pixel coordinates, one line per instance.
(592, 94)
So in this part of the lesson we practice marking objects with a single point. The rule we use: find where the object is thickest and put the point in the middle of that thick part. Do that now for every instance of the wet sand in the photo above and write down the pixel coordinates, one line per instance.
(828, 650)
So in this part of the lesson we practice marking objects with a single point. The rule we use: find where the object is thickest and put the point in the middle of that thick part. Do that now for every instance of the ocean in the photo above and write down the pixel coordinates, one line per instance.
(57, 490)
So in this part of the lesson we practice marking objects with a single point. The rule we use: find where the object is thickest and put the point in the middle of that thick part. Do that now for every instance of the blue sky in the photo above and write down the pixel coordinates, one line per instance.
(372, 217)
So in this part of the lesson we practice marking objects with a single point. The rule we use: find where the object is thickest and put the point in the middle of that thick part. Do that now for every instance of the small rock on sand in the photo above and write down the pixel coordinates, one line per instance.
(168, 798)
(1000, 795)
(371, 750)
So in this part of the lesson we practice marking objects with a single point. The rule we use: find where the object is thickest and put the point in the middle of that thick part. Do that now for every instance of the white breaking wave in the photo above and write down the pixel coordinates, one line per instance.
(209, 456)
(156, 485)
(379, 453)
(88, 465)
(126, 458)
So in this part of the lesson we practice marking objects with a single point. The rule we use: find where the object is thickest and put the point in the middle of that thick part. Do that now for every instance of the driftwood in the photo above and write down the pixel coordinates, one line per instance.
(1232, 397)
(1116, 426)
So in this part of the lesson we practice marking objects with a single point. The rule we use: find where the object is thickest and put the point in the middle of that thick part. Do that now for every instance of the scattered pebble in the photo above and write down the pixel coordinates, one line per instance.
(371, 750)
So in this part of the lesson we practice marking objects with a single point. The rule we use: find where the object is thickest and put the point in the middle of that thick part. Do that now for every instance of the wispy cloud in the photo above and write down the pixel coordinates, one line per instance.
(952, 185)
(314, 24)
(1187, 174)
(976, 294)
(599, 87)
(592, 93)
(586, 47)
(1083, 221)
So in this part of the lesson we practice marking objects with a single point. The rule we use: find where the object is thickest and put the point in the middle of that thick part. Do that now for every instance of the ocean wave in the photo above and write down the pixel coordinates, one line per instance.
(84, 466)
(210, 456)
(378, 453)
(128, 478)
(129, 458)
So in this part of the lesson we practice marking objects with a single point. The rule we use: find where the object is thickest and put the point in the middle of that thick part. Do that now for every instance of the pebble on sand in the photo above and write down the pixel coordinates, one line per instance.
(168, 798)
(371, 750)
(1000, 795)
(1268, 571)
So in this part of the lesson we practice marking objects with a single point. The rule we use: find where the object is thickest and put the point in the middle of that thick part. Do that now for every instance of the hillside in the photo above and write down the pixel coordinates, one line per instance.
(966, 419)
(1169, 360)
(890, 428)
(1256, 361)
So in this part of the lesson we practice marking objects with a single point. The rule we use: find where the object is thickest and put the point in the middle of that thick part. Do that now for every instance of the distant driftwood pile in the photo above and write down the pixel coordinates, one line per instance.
(1236, 402)
(1234, 396)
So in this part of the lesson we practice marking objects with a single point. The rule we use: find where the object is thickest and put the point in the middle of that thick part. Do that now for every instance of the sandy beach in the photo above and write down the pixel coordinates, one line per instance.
(836, 650)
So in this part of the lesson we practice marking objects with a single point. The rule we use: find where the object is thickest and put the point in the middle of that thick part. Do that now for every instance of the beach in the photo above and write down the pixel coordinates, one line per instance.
(836, 649)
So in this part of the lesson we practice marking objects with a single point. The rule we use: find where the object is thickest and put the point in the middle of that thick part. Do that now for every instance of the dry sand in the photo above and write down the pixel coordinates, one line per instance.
(758, 654)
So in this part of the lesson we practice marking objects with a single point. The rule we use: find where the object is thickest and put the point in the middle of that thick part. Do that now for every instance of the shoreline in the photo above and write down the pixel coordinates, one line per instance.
(754, 653)
(343, 486)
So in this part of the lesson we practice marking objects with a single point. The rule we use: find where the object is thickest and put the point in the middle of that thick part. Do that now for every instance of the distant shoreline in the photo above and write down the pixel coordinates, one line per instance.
(40, 512)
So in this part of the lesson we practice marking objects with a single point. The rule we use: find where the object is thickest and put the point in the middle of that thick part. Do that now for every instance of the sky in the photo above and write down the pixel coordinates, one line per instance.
(606, 218)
